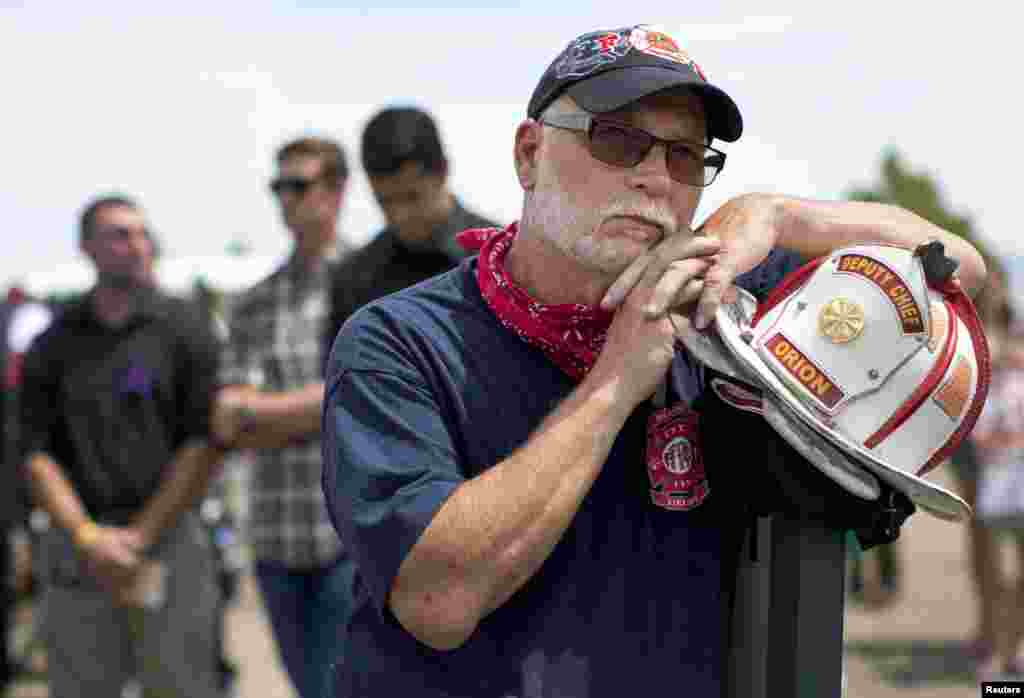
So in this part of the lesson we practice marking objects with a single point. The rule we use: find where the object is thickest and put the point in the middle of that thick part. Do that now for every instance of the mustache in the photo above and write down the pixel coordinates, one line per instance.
(647, 211)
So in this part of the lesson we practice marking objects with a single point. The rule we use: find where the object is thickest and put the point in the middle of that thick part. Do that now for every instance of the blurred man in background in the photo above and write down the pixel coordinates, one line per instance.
(993, 457)
(115, 408)
(271, 402)
(21, 320)
(408, 171)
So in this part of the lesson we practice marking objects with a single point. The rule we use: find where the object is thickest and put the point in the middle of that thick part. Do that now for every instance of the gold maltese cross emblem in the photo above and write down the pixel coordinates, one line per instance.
(841, 320)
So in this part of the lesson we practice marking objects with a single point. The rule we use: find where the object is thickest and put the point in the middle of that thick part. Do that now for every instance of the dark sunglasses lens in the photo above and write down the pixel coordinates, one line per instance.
(296, 187)
(121, 231)
(686, 164)
(618, 145)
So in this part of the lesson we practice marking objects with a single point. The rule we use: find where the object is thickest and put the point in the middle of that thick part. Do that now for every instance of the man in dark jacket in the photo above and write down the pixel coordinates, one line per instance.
(405, 161)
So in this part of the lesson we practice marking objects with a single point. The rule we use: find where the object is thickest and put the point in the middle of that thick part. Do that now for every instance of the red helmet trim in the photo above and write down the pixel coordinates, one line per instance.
(790, 283)
(962, 302)
(927, 387)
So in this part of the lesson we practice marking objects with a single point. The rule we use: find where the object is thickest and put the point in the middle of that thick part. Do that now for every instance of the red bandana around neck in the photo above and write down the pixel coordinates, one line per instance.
(570, 334)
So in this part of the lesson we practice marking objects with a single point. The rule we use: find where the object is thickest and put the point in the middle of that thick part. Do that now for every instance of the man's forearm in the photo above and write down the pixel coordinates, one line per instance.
(275, 420)
(495, 530)
(186, 478)
(816, 228)
(54, 493)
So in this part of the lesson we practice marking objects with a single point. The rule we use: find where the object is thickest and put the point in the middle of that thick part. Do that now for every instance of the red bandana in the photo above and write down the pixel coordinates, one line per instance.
(571, 335)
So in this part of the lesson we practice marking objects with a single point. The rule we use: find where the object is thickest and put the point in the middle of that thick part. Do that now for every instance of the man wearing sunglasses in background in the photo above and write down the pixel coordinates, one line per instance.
(486, 433)
(271, 402)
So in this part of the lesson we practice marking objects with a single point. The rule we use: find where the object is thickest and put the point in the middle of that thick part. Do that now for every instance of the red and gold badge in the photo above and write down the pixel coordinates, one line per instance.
(658, 43)
(675, 464)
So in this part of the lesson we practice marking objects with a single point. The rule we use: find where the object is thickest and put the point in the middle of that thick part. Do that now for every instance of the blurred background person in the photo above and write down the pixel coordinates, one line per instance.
(406, 164)
(981, 543)
(221, 510)
(114, 426)
(21, 321)
(996, 457)
(271, 402)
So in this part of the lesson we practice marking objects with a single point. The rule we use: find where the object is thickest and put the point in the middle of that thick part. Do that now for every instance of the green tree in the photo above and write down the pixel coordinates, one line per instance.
(918, 192)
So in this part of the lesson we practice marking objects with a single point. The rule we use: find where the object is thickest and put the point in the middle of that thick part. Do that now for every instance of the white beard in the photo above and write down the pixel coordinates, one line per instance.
(573, 229)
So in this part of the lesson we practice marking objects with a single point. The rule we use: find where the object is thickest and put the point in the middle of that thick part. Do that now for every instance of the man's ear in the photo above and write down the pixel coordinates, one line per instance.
(154, 242)
(85, 246)
(339, 192)
(527, 152)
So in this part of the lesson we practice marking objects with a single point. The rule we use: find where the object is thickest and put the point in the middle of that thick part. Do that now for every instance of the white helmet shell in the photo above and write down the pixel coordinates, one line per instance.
(860, 348)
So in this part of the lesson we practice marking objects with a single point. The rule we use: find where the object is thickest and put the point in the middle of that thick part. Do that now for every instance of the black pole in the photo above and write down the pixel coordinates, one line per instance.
(805, 657)
(788, 617)
(750, 620)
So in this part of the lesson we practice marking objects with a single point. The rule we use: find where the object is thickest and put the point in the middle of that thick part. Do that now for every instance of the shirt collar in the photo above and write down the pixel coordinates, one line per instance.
(149, 305)
(442, 235)
(296, 270)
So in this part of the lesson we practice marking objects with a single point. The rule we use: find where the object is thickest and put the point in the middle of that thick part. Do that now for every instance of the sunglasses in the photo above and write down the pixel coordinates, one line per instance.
(617, 144)
(296, 186)
(120, 231)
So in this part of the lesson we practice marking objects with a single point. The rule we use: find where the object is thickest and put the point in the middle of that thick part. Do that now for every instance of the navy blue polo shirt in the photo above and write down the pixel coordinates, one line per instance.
(425, 390)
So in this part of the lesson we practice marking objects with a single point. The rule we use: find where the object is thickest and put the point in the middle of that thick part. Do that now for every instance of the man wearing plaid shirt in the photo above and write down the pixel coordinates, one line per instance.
(271, 402)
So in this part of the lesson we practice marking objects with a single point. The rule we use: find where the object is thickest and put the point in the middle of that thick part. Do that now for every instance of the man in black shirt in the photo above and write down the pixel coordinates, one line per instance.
(115, 408)
(408, 171)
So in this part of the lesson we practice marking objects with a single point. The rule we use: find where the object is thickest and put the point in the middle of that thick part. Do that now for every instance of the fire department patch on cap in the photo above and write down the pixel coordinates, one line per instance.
(655, 42)
(591, 51)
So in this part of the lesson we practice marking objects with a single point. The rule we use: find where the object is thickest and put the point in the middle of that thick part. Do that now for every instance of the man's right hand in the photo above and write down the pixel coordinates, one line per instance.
(112, 556)
(640, 345)
(226, 420)
(637, 352)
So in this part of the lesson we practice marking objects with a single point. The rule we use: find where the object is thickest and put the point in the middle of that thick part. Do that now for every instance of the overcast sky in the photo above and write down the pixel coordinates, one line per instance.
(184, 107)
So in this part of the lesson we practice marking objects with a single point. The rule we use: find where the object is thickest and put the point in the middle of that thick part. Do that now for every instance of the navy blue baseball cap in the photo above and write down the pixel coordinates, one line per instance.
(606, 70)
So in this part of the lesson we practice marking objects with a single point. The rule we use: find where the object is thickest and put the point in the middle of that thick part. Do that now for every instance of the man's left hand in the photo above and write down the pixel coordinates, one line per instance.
(747, 228)
(229, 415)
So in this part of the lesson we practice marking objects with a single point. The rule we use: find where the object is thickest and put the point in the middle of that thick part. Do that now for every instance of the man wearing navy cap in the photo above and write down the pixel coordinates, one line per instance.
(530, 514)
